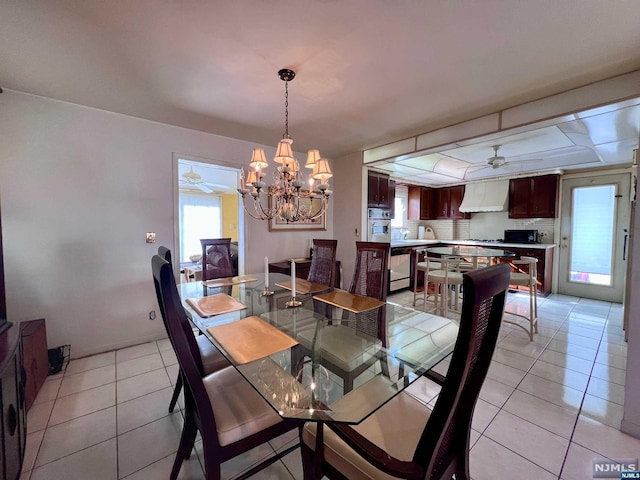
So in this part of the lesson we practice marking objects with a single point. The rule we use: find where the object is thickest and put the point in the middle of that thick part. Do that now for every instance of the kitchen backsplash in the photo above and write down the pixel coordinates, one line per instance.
(486, 225)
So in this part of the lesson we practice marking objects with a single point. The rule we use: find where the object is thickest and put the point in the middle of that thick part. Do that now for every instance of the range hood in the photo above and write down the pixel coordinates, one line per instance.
(485, 196)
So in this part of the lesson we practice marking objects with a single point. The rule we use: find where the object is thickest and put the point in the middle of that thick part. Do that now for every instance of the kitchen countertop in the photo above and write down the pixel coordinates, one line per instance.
(425, 243)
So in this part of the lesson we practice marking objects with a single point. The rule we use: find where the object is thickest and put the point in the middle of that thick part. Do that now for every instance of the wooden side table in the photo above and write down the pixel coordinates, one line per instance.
(303, 266)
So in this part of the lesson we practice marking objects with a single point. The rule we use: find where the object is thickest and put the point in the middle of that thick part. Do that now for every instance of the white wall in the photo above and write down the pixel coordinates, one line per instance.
(350, 210)
(79, 188)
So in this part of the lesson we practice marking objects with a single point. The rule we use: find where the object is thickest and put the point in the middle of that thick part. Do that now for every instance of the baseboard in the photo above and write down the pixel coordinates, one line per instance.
(630, 428)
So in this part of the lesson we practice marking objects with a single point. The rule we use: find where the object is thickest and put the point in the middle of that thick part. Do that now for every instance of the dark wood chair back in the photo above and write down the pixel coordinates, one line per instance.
(216, 258)
(370, 279)
(198, 408)
(323, 263)
(165, 253)
(443, 448)
(371, 273)
(444, 445)
(173, 314)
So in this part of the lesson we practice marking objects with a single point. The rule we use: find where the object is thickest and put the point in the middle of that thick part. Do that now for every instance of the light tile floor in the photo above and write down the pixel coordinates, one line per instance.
(547, 409)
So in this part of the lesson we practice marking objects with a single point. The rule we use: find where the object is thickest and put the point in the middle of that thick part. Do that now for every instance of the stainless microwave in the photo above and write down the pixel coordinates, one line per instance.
(521, 236)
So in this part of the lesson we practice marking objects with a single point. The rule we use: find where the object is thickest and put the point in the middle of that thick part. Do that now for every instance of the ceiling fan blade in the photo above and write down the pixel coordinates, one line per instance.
(473, 168)
(218, 186)
(204, 188)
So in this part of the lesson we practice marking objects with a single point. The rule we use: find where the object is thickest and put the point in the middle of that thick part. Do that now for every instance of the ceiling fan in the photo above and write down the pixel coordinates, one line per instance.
(194, 179)
(498, 161)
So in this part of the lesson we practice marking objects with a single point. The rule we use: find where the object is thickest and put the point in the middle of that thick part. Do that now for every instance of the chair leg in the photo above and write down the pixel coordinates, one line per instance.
(307, 460)
(176, 393)
(348, 384)
(187, 440)
(535, 306)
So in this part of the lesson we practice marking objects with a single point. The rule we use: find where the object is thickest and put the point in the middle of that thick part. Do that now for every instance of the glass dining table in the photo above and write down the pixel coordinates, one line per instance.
(408, 343)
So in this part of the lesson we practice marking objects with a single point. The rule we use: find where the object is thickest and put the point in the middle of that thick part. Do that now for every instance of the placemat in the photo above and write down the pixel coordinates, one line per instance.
(303, 286)
(349, 301)
(215, 304)
(250, 338)
(225, 282)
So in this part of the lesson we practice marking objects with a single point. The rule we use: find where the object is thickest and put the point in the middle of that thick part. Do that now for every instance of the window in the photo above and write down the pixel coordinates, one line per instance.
(593, 225)
(400, 216)
(200, 217)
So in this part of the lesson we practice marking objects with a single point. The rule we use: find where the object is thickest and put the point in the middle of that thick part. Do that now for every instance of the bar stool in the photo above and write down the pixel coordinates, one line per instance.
(428, 263)
(525, 275)
(447, 279)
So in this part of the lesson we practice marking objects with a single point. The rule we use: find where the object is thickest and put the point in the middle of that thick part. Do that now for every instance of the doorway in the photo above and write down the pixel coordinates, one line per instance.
(206, 205)
(593, 237)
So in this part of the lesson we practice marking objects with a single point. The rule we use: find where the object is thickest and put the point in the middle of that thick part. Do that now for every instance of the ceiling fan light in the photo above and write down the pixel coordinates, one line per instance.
(191, 176)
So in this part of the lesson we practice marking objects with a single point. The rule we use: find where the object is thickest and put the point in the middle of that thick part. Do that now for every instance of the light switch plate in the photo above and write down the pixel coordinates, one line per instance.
(151, 237)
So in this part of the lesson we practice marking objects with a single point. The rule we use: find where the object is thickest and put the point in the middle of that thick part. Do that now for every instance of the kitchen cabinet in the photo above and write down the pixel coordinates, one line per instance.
(378, 196)
(421, 203)
(533, 197)
(427, 204)
(448, 202)
(392, 197)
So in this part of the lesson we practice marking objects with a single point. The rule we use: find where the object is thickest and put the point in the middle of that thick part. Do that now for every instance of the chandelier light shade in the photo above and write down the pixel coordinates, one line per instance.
(285, 198)
(312, 157)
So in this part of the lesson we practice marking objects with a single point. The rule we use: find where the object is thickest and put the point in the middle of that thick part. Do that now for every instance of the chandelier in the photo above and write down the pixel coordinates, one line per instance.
(289, 197)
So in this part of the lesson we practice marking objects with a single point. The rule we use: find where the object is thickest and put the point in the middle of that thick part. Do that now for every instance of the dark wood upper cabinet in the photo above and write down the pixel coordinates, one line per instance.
(414, 205)
(533, 197)
(427, 204)
(448, 202)
(379, 190)
(421, 203)
(392, 197)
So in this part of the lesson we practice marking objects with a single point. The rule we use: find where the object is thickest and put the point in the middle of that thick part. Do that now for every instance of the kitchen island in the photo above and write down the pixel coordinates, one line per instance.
(542, 251)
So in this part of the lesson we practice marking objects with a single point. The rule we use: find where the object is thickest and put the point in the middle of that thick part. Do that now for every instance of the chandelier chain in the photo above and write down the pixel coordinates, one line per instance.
(286, 109)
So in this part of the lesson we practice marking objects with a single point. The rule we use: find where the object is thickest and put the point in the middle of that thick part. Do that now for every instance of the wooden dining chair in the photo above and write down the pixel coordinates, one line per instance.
(353, 344)
(216, 258)
(323, 263)
(212, 359)
(405, 438)
(230, 415)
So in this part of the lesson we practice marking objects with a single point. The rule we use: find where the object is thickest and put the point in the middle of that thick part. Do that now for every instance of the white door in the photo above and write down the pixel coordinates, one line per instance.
(593, 237)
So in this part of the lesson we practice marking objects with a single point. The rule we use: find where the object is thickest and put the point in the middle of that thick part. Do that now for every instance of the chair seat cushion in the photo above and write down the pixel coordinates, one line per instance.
(395, 428)
(239, 410)
(521, 279)
(343, 346)
(432, 265)
(439, 276)
(212, 359)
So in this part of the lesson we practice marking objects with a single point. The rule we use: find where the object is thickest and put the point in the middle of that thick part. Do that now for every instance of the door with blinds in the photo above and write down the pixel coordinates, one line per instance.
(593, 237)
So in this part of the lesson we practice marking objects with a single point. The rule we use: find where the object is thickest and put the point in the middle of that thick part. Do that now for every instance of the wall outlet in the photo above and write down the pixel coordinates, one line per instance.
(151, 237)
(152, 315)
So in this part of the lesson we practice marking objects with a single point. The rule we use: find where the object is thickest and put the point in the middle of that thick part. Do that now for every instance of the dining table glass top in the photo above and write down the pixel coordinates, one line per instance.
(263, 339)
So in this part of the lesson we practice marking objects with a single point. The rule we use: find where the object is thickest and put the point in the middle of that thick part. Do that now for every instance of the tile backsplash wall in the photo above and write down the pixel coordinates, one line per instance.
(487, 225)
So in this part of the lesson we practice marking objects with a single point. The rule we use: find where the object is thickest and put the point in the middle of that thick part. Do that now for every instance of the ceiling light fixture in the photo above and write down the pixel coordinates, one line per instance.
(287, 199)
